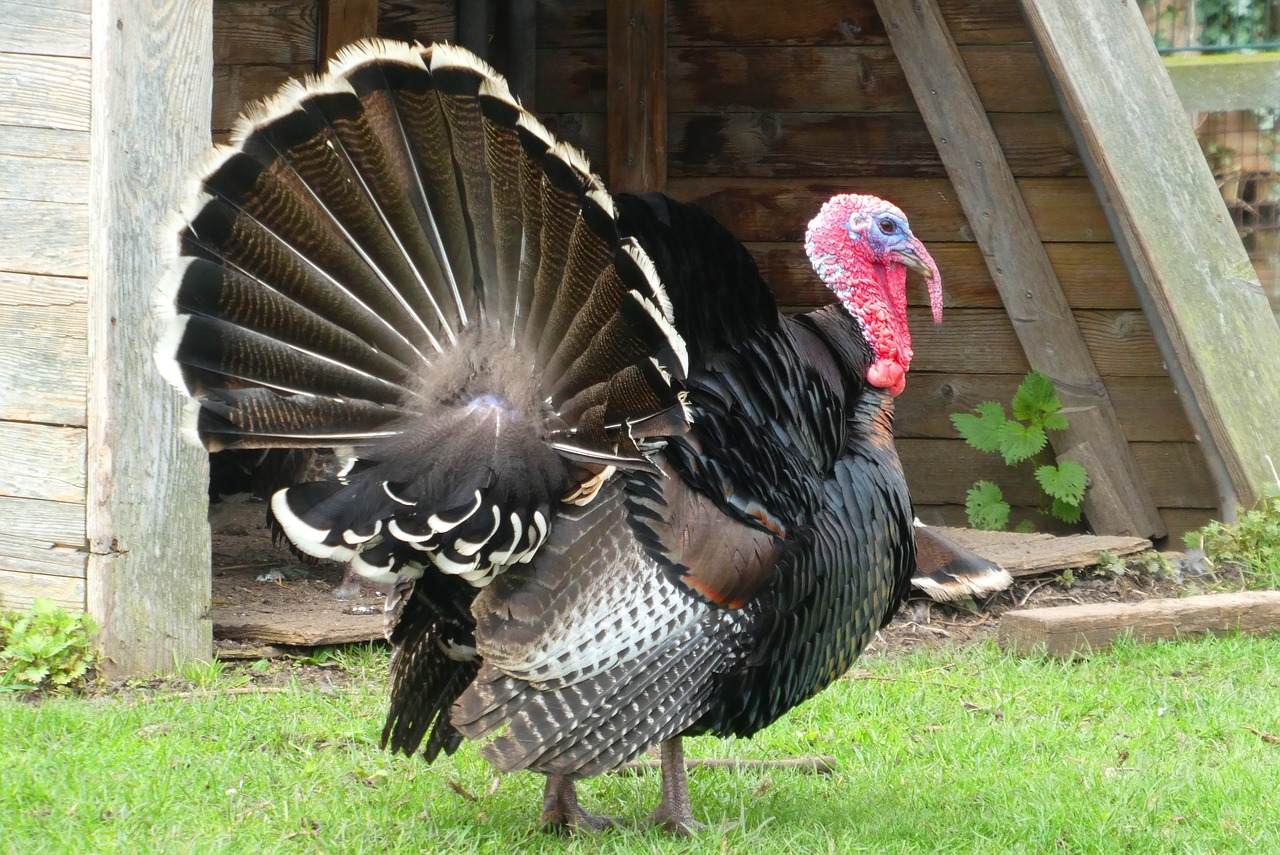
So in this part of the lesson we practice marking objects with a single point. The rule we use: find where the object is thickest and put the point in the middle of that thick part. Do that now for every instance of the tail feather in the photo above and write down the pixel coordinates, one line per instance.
(946, 570)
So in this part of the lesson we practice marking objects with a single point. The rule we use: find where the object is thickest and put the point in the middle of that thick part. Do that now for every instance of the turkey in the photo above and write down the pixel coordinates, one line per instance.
(619, 498)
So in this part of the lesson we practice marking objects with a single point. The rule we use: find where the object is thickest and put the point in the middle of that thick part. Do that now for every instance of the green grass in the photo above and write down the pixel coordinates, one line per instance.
(1144, 749)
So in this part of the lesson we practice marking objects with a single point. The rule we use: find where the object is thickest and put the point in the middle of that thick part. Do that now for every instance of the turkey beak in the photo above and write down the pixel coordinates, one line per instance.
(917, 258)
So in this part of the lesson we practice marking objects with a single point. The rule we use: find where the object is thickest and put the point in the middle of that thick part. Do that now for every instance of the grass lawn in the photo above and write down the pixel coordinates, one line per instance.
(1163, 748)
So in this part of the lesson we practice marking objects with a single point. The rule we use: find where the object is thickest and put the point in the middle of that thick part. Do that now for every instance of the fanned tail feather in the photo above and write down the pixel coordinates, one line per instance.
(398, 258)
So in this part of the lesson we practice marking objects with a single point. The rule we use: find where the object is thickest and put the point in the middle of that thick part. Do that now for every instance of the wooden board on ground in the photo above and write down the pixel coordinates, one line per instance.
(299, 613)
(1036, 554)
(1067, 630)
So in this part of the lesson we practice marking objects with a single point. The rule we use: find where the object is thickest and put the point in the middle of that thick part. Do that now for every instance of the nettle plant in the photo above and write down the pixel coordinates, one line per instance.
(45, 648)
(1036, 410)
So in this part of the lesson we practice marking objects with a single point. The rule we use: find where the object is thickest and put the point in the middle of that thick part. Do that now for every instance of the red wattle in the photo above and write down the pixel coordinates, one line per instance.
(887, 374)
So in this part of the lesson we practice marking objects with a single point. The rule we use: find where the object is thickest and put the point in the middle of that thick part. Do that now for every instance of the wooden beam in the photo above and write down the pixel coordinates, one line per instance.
(637, 101)
(1221, 82)
(473, 26)
(342, 22)
(522, 49)
(1067, 630)
(147, 517)
(1201, 296)
(1117, 501)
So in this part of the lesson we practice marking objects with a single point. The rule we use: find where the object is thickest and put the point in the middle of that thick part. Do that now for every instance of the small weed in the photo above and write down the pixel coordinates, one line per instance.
(1036, 410)
(45, 648)
(1252, 542)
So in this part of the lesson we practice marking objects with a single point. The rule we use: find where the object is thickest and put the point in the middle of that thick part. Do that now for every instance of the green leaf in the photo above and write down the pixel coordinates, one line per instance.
(986, 507)
(1066, 481)
(1019, 441)
(1054, 421)
(1065, 511)
(1036, 400)
(983, 430)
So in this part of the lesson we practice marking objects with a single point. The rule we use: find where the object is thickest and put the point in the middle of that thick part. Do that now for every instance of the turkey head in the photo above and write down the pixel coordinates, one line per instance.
(861, 246)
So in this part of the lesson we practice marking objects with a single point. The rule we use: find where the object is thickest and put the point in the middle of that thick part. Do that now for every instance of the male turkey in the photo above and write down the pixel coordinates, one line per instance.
(620, 498)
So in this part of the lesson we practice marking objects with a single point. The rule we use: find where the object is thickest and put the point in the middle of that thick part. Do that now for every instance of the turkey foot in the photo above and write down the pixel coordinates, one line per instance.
(562, 813)
(673, 813)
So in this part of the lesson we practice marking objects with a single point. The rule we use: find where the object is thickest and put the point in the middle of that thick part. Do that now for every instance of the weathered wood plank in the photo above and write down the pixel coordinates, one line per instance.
(522, 48)
(42, 462)
(21, 554)
(1222, 82)
(1147, 407)
(148, 572)
(1068, 630)
(809, 145)
(637, 103)
(43, 179)
(47, 28)
(1120, 344)
(49, 238)
(341, 23)
(941, 471)
(1219, 337)
(1036, 554)
(580, 23)
(1092, 275)
(235, 86)
(16, 141)
(778, 209)
(38, 521)
(44, 349)
(796, 79)
(981, 167)
(44, 91)
(265, 31)
(425, 21)
(473, 26)
(1178, 521)
(19, 590)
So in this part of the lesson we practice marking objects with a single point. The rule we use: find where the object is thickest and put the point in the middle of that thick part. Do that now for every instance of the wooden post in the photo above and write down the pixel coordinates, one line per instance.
(473, 26)
(1202, 298)
(637, 101)
(522, 50)
(148, 570)
(1117, 501)
(341, 23)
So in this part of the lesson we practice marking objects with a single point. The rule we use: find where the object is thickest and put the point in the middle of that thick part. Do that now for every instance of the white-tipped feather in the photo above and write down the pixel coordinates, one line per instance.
(637, 254)
(496, 87)
(575, 159)
(674, 339)
(305, 536)
(450, 56)
(386, 488)
(400, 534)
(365, 51)
(166, 352)
(467, 547)
(959, 587)
(287, 99)
(453, 568)
(530, 123)
(441, 526)
(353, 539)
(382, 575)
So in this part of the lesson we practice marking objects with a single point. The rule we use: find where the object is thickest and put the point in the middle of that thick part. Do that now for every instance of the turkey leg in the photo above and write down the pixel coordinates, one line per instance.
(673, 813)
(561, 811)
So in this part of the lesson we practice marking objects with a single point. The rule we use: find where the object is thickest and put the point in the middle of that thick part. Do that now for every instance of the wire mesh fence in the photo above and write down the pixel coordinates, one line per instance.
(1242, 148)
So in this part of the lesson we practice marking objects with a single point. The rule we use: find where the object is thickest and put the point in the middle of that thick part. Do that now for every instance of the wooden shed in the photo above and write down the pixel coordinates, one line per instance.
(1037, 147)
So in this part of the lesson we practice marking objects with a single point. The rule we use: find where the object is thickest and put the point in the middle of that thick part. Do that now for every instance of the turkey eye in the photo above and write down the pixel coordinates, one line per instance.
(888, 226)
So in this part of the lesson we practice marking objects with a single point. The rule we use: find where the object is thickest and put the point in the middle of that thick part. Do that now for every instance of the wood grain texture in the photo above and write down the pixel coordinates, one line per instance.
(425, 21)
(982, 169)
(1148, 409)
(795, 79)
(235, 86)
(637, 102)
(44, 349)
(49, 238)
(342, 22)
(148, 573)
(1070, 630)
(265, 31)
(806, 144)
(24, 554)
(1220, 83)
(46, 28)
(1178, 521)
(1218, 334)
(1039, 553)
(42, 462)
(581, 23)
(940, 470)
(19, 590)
(35, 521)
(43, 179)
(778, 209)
(44, 91)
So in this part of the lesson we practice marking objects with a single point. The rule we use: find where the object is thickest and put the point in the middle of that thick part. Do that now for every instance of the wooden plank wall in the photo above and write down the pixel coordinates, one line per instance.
(773, 107)
(44, 240)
